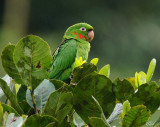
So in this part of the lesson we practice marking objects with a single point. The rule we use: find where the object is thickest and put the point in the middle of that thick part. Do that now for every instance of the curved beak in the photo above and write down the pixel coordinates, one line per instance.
(90, 35)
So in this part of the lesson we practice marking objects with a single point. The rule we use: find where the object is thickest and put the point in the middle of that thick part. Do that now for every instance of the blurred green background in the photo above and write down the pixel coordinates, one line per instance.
(127, 33)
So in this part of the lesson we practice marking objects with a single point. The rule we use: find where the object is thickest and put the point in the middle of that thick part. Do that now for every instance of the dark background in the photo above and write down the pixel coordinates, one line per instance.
(127, 33)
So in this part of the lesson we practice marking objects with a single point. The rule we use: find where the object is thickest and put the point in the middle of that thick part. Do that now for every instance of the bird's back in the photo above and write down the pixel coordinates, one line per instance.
(64, 58)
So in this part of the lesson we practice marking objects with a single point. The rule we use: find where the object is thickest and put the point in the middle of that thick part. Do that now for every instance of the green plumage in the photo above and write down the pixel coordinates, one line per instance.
(74, 45)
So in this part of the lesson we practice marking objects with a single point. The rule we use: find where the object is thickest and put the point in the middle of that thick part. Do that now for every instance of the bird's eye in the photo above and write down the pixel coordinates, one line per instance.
(83, 29)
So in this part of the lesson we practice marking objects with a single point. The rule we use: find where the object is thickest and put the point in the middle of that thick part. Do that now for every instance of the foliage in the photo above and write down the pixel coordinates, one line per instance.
(89, 99)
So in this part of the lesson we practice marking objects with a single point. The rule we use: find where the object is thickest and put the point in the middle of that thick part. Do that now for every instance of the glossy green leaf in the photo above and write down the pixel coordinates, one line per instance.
(32, 57)
(11, 96)
(151, 69)
(8, 80)
(101, 110)
(8, 63)
(136, 116)
(126, 108)
(38, 121)
(21, 95)
(122, 89)
(61, 86)
(82, 71)
(97, 122)
(59, 105)
(105, 70)
(148, 95)
(98, 86)
(41, 93)
(9, 109)
(25, 107)
(94, 61)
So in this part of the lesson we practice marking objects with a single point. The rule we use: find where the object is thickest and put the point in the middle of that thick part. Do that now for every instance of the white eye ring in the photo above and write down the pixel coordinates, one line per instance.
(83, 29)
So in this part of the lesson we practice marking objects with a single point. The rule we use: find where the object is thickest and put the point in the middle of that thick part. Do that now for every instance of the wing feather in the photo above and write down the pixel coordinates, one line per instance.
(64, 58)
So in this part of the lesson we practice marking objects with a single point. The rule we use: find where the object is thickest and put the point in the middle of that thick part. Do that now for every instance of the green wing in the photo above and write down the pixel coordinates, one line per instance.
(63, 59)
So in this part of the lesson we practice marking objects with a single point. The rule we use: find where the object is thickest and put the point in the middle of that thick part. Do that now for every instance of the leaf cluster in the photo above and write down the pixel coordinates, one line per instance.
(28, 98)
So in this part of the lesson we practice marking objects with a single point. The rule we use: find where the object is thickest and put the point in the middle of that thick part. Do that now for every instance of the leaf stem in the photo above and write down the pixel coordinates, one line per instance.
(34, 102)
(32, 90)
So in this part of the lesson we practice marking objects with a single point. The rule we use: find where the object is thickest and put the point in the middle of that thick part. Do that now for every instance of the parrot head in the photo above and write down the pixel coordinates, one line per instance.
(80, 31)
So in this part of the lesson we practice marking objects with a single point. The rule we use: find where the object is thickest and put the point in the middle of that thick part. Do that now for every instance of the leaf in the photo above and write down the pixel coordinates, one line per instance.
(126, 108)
(136, 116)
(94, 61)
(137, 80)
(77, 120)
(122, 89)
(102, 114)
(32, 57)
(51, 124)
(151, 69)
(13, 121)
(148, 95)
(25, 107)
(79, 62)
(105, 70)
(97, 122)
(56, 124)
(1, 115)
(98, 86)
(21, 95)
(1, 93)
(9, 109)
(58, 105)
(17, 87)
(11, 96)
(38, 121)
(140, 78)
(9, 82)
(61, 86)
(8, 63)
(82, 71)
(41, 93)
(132, 81)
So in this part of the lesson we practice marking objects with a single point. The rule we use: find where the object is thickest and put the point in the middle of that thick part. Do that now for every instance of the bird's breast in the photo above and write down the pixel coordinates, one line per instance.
(83, 50)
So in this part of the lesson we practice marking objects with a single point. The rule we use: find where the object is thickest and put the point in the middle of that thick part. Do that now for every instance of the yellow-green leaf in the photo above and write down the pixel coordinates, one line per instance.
(1, 115)
(94, 61)
(126, 108)
(105, 70)
(79, 62)
(151, 69)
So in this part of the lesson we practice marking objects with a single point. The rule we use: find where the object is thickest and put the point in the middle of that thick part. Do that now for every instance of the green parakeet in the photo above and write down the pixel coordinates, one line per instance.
(75, 44)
